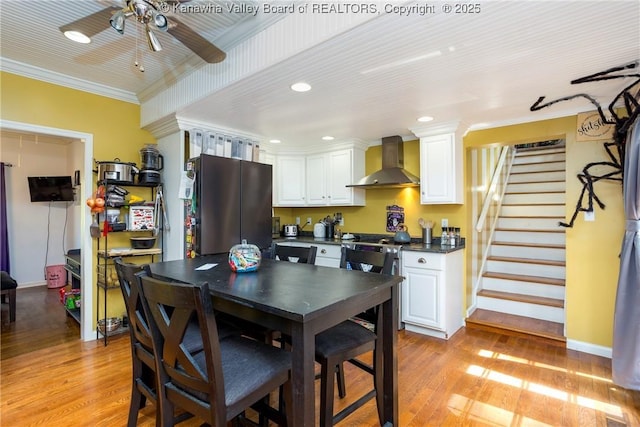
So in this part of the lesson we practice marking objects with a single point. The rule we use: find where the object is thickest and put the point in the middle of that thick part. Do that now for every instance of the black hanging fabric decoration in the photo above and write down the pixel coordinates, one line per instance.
(615, 149)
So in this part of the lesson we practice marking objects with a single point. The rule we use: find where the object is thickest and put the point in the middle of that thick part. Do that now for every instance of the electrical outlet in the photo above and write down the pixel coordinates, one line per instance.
(298, 220)
(341, 222)
(308, 220)
(590, 215)
(444, 223)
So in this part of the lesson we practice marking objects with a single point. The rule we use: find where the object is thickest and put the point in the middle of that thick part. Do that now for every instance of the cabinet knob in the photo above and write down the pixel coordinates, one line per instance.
(323, 251)
(422, 261)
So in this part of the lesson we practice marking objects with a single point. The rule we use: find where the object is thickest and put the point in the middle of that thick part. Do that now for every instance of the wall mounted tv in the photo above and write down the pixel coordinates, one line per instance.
(50, 188)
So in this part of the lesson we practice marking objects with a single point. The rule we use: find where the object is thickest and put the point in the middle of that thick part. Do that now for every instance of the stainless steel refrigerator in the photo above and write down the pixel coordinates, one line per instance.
(232, 201)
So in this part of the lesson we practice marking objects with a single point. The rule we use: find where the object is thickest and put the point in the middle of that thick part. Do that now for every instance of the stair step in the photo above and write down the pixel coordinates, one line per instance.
(524, 278)
(536, 222)
(528, 250)
(511, 324)
(528, 260)
(556, 237)
(541, 198)
(546, 210)
(536, 186)
(540, 157)
(529, 151)
(521, 286)
(538, 167)
(550, 302)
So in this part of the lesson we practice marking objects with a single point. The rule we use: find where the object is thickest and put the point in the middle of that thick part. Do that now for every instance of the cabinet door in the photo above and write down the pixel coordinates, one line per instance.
(317, 180)
(291, 181)
(270, 159)
(339, 176)
(440, 170)
(421, 297)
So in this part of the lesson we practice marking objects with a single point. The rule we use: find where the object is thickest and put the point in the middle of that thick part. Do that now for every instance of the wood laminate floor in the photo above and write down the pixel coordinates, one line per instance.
(477, 378)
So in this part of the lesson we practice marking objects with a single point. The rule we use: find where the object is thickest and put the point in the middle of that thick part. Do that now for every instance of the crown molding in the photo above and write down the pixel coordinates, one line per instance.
(48, 76)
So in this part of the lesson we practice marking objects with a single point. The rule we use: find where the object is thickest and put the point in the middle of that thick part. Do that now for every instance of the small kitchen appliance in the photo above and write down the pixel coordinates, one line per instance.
(290, 230)
(319, 230)
(116, 171)
(151, 163)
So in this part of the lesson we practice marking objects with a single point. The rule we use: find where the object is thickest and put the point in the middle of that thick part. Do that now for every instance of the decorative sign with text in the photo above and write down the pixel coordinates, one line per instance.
(592, 128)
(395, 217)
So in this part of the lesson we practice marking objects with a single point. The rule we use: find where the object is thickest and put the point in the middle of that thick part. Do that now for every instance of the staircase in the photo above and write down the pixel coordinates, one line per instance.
(522, 288)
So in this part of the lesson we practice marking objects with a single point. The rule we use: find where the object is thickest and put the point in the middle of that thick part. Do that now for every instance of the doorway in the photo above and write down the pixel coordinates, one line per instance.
(85, 148)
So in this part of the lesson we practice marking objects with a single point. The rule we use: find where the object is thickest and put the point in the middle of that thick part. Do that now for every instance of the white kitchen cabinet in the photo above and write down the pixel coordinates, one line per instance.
(328, 175)
(432, 292)
(290, 181)
(441, 173)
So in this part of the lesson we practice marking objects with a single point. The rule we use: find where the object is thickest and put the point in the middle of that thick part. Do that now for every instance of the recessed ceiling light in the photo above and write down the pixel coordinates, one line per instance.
(328, 138)
(301, 87)
(425, 119)
(275, 141)
(77, 36)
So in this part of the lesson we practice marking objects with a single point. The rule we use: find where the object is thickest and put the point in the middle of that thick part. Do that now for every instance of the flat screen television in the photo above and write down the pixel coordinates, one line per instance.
(50, 188)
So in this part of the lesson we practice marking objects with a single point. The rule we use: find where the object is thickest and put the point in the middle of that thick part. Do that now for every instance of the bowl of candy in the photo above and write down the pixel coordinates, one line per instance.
(244, 257)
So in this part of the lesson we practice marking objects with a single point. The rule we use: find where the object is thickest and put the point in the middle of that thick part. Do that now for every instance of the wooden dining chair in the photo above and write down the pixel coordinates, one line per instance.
(226, 377)
(349, 339)
(144, 381)
(300, 254)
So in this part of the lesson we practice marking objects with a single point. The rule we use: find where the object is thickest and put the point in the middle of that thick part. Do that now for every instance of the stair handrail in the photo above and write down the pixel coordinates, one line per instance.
(495, 180)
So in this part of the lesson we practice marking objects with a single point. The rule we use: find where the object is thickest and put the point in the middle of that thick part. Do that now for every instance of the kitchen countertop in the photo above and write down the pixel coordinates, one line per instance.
(416, 245)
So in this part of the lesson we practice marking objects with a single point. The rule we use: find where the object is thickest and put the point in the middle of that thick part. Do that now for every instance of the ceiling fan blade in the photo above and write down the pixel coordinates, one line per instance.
(194, 41)
(91, 25)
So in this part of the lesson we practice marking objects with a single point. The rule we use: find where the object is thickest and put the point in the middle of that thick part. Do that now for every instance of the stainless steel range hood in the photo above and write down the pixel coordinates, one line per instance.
(392, 174)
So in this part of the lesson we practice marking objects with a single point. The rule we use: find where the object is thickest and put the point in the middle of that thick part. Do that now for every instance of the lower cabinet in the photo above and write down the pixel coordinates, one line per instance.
(432, 292)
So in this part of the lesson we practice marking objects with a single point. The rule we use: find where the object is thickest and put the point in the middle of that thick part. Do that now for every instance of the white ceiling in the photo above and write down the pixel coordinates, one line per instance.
(370, 81)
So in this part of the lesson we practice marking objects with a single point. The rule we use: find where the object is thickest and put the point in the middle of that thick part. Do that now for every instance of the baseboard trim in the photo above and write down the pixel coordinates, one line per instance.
(586, 347)
(31, 284)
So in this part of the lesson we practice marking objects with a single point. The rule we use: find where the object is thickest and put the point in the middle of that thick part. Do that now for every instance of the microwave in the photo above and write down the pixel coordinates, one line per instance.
(275, 227)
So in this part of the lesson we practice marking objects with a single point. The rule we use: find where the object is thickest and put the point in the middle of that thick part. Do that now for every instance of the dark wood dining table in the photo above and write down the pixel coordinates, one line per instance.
(302, 300)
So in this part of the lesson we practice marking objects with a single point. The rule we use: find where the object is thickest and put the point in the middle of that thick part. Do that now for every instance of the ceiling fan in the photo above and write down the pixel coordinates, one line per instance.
(148, 13)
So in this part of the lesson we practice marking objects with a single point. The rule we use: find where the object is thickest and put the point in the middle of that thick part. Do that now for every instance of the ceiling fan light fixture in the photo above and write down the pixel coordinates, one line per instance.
(154, 43)
(77, 36)
(161, 22)
(117, 21)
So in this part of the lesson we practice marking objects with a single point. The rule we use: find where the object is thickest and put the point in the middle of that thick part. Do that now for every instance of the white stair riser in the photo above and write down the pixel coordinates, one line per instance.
(538, 176)
(535, 187)
(523, 288)
(524, 151)
(539, 158)
(528, 252)
(529, 237)
(535, 210)
(530, 223)
(527, 269)
(535, 311)
(533, 198)
(537, 167)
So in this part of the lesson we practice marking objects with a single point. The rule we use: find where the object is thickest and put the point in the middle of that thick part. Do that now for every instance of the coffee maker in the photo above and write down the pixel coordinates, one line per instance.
(152, 163)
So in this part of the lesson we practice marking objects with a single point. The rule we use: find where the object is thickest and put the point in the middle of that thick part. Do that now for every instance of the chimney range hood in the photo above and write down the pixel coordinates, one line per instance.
(392, 174)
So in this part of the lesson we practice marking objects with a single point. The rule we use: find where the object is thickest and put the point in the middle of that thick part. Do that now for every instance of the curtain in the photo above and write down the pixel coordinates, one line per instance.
(626, 327)
(4, 232)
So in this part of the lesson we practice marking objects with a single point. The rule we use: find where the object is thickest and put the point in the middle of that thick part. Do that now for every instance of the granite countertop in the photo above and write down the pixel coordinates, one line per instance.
(416, 245)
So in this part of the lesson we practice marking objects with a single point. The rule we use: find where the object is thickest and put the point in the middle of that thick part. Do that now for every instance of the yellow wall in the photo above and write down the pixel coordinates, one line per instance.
(115, 126)
(592, 248)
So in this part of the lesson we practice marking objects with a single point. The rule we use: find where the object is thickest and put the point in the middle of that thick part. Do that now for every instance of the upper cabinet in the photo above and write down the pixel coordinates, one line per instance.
(319, 179)
(290, 181)
(441, 173)
(328, 175)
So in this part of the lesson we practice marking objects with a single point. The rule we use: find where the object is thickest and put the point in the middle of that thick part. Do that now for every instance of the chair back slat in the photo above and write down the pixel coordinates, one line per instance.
(368, 261)
(297, 254)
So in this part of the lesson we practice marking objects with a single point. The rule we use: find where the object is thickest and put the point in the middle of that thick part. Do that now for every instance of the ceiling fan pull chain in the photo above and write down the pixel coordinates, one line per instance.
(139, 64)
